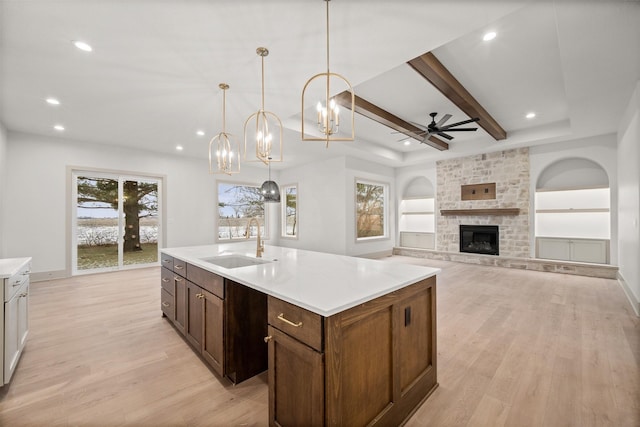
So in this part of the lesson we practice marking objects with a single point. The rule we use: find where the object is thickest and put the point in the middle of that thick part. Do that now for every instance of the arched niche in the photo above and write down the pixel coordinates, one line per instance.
(418, 188)
(572, 173)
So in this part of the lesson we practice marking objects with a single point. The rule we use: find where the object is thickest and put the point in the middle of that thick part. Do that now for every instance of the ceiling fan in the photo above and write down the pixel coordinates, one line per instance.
(434, 128)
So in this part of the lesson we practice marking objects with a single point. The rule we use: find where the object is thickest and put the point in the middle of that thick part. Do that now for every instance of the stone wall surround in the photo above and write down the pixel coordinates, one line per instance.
(510, 171)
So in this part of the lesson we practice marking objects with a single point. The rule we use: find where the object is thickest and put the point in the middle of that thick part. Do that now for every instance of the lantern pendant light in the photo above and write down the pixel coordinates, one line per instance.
(327, 110)
(226, 157)
(267, 127)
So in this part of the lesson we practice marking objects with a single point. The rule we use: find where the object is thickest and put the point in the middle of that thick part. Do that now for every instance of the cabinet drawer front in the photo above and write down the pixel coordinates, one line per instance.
(15, 282)
(166, 280)
(206, 280)
(179, 267)
(297, 322)
(167, 261)
(167, 304)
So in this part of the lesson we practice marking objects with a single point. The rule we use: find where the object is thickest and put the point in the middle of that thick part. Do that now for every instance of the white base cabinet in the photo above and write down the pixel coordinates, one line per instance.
(578, 250)
(14, 313)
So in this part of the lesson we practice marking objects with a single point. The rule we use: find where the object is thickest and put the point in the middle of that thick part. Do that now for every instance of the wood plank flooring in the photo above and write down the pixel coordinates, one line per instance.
(515, 348)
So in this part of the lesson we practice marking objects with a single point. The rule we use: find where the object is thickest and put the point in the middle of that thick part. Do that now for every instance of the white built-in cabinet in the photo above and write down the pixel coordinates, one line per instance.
(14, 313)
(575, 249)
(417, 222)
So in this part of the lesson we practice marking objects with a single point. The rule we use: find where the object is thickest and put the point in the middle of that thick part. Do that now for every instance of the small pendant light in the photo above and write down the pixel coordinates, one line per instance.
(270, 191)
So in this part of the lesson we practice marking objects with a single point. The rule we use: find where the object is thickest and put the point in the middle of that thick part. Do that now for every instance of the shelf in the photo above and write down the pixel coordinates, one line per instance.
(418, 213)
(468, 212)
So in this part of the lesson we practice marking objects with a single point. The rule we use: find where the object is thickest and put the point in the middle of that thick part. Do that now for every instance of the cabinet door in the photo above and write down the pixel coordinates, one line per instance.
(213, 336)
(16, 329)
(180, 307)
(296, 382)
(415, 316)
(194, 328)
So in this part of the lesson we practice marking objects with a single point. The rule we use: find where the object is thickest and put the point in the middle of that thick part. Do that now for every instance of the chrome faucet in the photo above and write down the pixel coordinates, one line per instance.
(260, 243)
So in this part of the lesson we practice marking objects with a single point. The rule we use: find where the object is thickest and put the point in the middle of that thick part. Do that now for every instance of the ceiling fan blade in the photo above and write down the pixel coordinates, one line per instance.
(444, 135)
(461, 129)
(443, 120)
(418, 125)
(464, 122)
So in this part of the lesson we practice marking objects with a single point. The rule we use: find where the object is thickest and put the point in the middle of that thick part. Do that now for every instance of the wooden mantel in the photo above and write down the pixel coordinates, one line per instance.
(494, 211)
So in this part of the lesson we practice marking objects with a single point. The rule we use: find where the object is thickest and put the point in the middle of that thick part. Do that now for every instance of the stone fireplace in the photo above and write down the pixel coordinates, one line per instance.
(509, 170)
(480, 239)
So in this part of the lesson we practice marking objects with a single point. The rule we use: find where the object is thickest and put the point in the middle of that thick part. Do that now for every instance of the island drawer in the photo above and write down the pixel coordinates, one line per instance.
(206, 280)
(179, 267)
(166, 302)
(167, 261)
(166, 280)
(296, 322)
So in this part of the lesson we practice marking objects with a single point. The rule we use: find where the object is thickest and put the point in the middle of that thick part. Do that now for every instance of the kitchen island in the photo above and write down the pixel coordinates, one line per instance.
(351, 341)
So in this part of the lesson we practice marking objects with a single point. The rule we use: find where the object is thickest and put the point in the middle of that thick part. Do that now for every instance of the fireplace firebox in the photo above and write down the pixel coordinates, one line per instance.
(479, 239)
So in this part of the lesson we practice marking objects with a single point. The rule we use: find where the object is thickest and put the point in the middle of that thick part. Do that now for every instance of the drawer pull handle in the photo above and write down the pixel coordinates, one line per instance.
(179, 267)
(165, 280)
(165, 304)
(267, 339)
(201, 296)
(178, 279)
(17, 284)
(289, 322)
(166, 260)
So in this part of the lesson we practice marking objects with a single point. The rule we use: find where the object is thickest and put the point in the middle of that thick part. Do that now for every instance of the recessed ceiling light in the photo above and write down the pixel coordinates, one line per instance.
(530, 115)
(59, 128)
(179, 147)
(82, 46)
(200, 133)
(407, 142)
(53, 101)
(489, 36)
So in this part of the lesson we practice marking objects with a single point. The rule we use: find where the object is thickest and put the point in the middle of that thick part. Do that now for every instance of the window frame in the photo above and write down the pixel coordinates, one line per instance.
(385, 210)
(283, 212)
(265, 222)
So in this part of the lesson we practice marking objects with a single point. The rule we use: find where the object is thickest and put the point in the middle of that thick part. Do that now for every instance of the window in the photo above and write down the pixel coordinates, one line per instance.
(116, 221)
(237, 204)
(290, 211)
(371, 218)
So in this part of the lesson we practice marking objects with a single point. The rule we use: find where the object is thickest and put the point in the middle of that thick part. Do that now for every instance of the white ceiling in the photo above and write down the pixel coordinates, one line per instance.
(152, 79)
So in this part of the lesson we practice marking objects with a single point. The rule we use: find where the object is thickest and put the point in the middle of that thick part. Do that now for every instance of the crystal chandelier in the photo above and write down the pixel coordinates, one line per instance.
(226, 157)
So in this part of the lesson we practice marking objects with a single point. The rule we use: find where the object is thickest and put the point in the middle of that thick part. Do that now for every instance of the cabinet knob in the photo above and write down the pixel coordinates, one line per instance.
(268, 338)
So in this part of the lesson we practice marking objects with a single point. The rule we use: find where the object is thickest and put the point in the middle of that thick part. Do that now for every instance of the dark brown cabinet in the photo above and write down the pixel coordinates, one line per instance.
(223, 321)
(368, 365)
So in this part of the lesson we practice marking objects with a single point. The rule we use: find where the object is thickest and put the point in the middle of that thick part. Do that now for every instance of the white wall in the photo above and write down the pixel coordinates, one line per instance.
(629, 199)
(3, 178)
(599, 149)
(326, 205)
(36, 193)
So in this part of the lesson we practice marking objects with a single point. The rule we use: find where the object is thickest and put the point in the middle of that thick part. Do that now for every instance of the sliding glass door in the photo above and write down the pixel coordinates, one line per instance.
(116, 221)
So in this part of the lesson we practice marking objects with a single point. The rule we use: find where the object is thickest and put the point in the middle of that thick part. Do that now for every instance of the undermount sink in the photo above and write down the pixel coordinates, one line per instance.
(234, 261)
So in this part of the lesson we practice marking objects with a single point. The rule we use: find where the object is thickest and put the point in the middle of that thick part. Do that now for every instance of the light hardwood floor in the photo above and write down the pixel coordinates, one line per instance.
(515, 348)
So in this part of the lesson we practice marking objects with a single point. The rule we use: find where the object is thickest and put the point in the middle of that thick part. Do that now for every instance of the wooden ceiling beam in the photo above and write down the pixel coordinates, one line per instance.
(384, 117)
(429, 67)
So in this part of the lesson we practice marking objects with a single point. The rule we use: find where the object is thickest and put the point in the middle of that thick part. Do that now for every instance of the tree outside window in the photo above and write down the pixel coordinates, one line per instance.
(237, 204)
(370, 210)
(290, 211)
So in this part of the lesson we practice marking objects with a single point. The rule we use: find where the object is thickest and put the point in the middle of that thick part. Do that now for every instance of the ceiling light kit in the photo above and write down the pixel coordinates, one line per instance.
(227, 154)
(59, 128)
(530, 115)
(328, 112)
(489, 36)
(266, 123)
(52, 101)
(82, 46)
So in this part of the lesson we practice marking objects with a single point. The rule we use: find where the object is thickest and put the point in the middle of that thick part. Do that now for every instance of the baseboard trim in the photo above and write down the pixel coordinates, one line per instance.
(48, 275)
(635, 304)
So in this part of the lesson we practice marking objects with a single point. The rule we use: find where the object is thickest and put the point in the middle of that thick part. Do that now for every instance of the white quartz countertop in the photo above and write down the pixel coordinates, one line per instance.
(10, 266)
(323, 283)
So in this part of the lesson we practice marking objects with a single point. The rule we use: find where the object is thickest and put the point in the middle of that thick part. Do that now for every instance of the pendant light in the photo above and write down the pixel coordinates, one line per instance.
(270, 191)
(267, 126)
(226, 158)
(326, 110)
